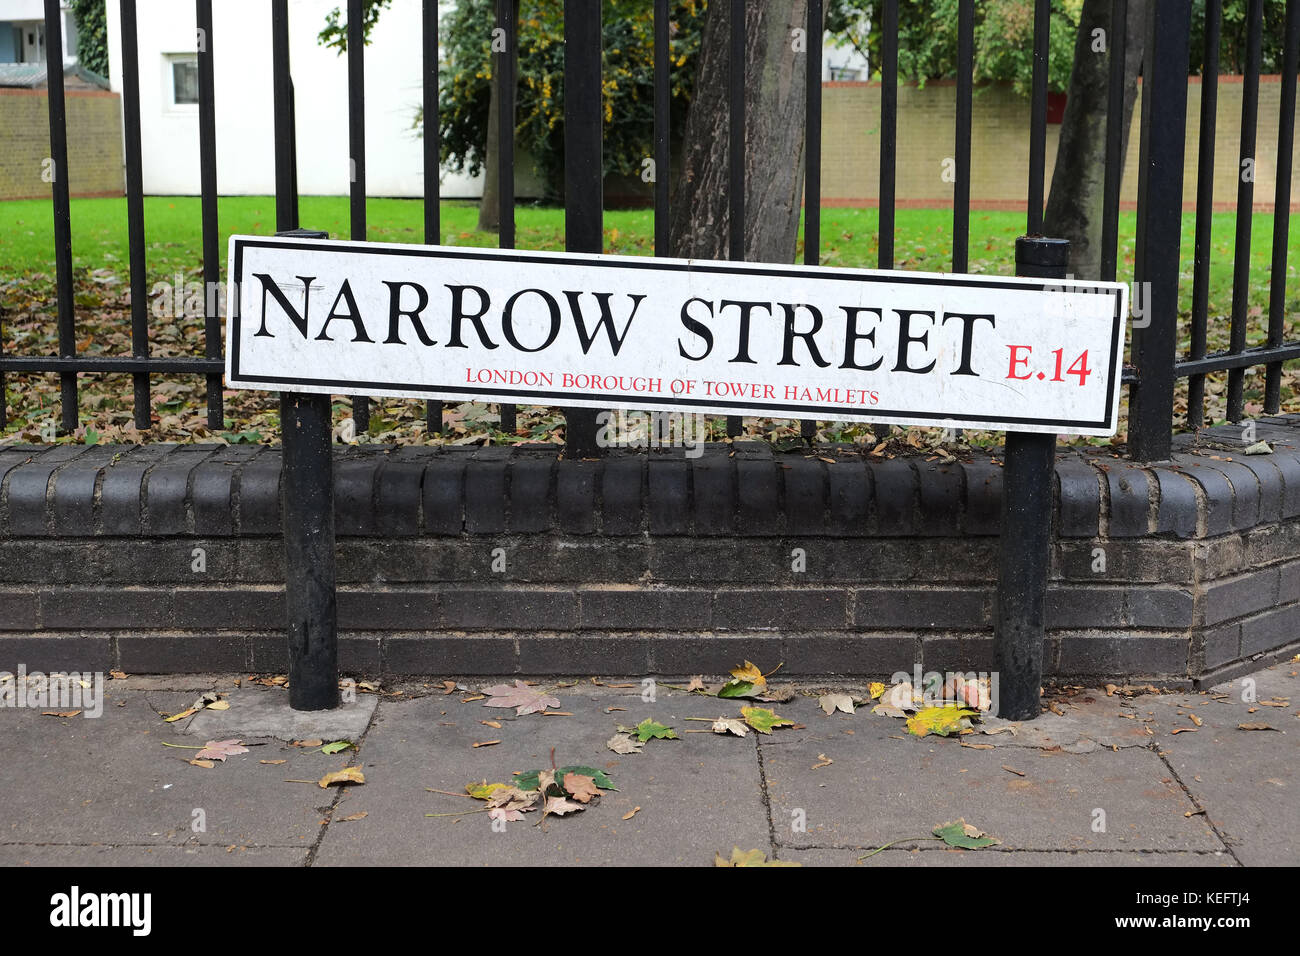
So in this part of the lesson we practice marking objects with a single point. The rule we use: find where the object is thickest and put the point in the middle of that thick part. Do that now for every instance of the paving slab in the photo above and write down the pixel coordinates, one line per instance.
(698, 795)
(1248, 782)
(886, 785)
(110, 781)
(187, 855)
(265, 712)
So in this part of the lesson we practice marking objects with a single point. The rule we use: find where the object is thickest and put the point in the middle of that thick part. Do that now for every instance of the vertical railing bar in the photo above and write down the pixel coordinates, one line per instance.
(286, 198)
(1116, 51)
(1204, 209)
(736, 155)
(1282, 209)
(1245, 208)
(208, 193)
(888, 146)
(965, 90)
(357, 158)
(135, 210)
(1038, 118)
(508, 21)
(62, 212)
(812, 189)
(432, 144)
(662, 126)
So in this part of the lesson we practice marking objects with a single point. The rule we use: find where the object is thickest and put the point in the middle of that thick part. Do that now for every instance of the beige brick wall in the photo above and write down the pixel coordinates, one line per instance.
(1000, 145)
(94, 143)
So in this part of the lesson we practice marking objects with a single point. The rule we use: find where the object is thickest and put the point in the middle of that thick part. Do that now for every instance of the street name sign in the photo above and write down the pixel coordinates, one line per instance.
(773, 341)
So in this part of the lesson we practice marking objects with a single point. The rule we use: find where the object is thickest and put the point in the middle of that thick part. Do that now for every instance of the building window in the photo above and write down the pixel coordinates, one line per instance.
(185, 81)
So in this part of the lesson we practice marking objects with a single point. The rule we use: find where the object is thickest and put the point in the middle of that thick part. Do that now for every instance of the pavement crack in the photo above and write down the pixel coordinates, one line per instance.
(1203, 810)
(338, 792)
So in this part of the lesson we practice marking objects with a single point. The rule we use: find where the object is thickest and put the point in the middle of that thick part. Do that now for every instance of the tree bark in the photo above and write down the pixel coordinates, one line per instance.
(774, 134)
(489, 207)
(1074, 204)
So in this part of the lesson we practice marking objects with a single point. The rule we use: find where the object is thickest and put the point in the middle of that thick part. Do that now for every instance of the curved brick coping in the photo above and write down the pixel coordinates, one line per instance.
(649, 562)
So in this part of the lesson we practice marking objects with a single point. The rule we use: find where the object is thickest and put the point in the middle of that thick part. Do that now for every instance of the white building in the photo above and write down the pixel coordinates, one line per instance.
(22, 32)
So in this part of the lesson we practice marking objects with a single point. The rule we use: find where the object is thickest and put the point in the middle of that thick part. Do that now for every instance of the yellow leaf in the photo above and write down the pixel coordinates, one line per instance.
(750, 673)
(219, 705)
(182, 715)
(346, 775)
(876, 689)
(940, 720)
(483, 790)
(741, 857)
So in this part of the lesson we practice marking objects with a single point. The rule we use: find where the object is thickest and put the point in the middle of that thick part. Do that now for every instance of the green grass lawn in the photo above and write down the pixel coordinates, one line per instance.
(923, 237)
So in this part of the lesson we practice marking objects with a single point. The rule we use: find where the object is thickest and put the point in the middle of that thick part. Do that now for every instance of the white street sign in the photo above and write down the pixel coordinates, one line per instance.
(774, 341)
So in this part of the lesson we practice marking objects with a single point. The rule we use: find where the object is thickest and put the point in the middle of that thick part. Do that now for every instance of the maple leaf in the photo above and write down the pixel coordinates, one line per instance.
(830, 703)
(221, 749)
(730, 725)
(340, 777)
(581, 787)
(749, 681)
(741, 857)
(649, 729)
(482, 790)
(512, 798)
(940, 720)
(524, 699)
(875, 688)
(961, 834)
(763, 720)
(501, 813)
(697, 683)
(624, 744)
(529, 780)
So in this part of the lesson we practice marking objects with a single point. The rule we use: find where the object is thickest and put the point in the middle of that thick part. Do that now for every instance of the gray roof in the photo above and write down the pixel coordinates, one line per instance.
(33, 76)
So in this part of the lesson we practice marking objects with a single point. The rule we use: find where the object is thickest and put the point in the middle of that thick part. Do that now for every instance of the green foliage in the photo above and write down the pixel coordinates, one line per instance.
(1233, 35)
(335, 33)
(627, 85)
(92, 34)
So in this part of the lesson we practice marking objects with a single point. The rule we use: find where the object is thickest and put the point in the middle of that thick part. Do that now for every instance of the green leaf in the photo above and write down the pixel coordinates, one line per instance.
(737, 688)
(92, 437)
(649, 729)
(961, 834)
(529, 781)
(763, 720)
(337, 746)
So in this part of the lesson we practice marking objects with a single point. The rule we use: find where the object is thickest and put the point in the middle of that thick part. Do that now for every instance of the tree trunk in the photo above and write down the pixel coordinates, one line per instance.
(774, 134)
(489, 208)
(1074, 205)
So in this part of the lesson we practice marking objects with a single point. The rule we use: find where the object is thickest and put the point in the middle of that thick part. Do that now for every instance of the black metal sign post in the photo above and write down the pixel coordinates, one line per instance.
(1024, 550)
(307, 485)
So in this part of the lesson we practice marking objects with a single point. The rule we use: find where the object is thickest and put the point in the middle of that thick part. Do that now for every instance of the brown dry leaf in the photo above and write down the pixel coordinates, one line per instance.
(822, 761)
(730, 725)
(524, 699)
(117, 675)
(976, 746)
(1183, 730)
(308, 743)
(1273, 703)
(60, 713)
(449, 687)
(696, 683)
(1257, 726)
(560, 806)
(274, 763)
(1110, 690)
(494, 724)
(485, 743)
(221, 749)
(624, 744)
(207, 764)
(631, 813)
(557, 713)
(354, 816)
(581, 787)
(830, 703)
(1018, 773)
(466, 700)
(1196, 720)
(340, 777)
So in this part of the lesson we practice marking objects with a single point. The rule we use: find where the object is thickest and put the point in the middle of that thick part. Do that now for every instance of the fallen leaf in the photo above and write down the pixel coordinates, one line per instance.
(1183, 730)
(346, 775)
(485, 743)
(624, 744)
(650, 729)
(338, 746)
(1257, 726)
(1018, 773)
(207, 764)
(696, 683)
(60, 713)
(524, 699)
(875, 689)
(309, 743)
(274, 763)
(219, 705)
(940, 720)
(750, 858)
(830, 703)
(506, 814)
(961, 834)
(579, 786)
(188, 712)
(528, 780)
(1196, 720)
(763, 720)
(483, 789)
(449, 687)
(822, 761)
(631, 813)
(976, 746)
(560, 806)
(494, 724)
(117, 675)
(730, 725)
(221, 749)
(354, 816)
